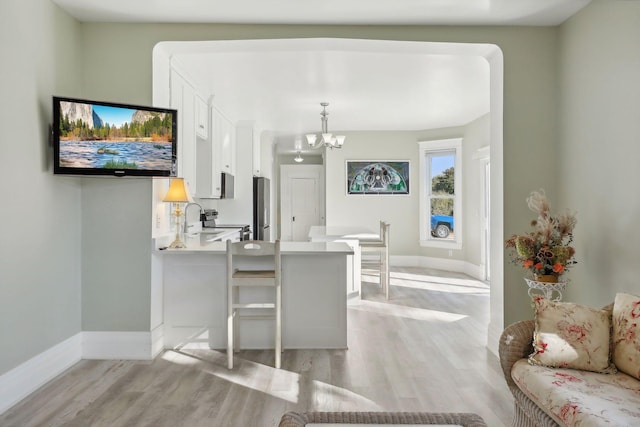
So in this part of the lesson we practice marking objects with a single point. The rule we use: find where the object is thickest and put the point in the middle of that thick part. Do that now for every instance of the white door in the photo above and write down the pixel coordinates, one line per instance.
(302, 200)
(304, 207)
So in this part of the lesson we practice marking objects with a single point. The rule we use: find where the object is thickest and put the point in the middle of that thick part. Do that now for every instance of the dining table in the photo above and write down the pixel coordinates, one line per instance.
(353, 235)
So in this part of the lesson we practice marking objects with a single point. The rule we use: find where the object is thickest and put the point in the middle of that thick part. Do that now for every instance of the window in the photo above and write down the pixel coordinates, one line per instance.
(440, 193)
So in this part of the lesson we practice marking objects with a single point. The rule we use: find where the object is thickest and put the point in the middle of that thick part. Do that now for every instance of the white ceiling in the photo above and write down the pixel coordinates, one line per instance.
(399, 12)
(400, 85)
(370, 85)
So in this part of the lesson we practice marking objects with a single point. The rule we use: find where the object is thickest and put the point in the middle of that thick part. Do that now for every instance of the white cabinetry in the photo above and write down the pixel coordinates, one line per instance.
(227, 141)
(202, 118)
(215, 155)
(208, 175)
(183, 97)
(247, 139)
(314, 306)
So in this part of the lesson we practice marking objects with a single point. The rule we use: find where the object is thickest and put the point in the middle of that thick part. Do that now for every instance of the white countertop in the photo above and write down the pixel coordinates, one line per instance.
(320, 233)
(286, 248)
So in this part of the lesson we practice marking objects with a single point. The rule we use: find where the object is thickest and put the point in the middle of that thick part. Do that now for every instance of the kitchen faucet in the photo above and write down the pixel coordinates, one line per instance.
(186, 222)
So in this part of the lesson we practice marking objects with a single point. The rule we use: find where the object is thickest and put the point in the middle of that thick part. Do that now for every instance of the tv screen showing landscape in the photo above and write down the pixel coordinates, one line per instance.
(102, 138)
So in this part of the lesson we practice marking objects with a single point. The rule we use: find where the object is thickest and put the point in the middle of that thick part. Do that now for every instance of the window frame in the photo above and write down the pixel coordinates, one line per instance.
(427, 149)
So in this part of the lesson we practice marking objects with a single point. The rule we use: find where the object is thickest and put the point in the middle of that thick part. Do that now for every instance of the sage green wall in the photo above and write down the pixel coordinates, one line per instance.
(40, 214)
(600, 151)
(116, 254)
(117, 67)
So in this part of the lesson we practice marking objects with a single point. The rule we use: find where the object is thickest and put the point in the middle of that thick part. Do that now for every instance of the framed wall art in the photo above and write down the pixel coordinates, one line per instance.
(379, 177)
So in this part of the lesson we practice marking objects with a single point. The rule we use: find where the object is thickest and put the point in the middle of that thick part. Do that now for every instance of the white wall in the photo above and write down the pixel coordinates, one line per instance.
(40, 216)
(600, 147)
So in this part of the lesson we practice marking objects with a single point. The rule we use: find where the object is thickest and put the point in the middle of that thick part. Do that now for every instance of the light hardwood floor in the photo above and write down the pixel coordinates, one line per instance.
(423, 350)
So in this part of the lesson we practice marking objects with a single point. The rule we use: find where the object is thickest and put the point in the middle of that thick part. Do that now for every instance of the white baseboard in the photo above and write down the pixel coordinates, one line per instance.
(493, 338)
(117, 345)
(455, 265)
(157, 340)
(23, 380)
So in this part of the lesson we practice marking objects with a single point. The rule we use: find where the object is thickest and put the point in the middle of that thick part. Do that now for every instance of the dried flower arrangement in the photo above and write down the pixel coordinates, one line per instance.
(547, 250)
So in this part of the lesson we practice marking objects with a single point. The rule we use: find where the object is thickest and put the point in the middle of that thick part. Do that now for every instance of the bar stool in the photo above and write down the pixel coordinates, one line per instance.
(381, 248)
(239, 278)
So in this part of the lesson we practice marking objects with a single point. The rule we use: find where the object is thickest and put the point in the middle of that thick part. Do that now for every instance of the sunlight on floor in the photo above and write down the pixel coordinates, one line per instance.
(196, 341)
(432, 283)
(284, 384)
(179, 358)
(386, 309)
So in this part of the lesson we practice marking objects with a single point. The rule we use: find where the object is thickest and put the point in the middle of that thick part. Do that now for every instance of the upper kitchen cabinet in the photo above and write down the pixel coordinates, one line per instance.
(202, 118)
(248, 138)
(183, 99)
(215, 155)
(227, 146)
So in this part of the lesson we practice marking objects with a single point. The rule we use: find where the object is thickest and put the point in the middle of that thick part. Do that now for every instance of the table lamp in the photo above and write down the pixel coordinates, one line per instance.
(177, 195)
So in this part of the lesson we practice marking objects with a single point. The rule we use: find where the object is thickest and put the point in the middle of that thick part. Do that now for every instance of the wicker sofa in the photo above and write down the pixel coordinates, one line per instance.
(515, 344)
(297, 419)
(562, 396)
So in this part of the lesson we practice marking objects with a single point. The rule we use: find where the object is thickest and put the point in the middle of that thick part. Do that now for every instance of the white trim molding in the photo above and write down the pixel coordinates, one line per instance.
(23, 380)
(117, 345)
(26, 378)
(427, 150)
(157, 340)
(455, 265)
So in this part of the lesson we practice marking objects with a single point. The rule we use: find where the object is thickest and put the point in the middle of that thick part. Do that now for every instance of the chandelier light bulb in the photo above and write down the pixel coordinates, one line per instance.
(327, 139)
(311, 139)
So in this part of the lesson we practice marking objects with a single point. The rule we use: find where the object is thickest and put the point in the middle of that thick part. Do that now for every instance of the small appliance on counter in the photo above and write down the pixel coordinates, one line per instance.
(210, 221)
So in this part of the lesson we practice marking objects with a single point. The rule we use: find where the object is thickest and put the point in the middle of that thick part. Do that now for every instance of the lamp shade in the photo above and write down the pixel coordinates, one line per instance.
(311, 139)
(177, 192)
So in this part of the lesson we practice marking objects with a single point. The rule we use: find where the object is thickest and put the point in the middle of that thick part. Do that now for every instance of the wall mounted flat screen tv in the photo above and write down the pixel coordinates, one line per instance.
(104, 138)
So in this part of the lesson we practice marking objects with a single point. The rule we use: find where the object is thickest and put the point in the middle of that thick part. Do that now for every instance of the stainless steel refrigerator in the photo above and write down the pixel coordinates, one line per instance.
(261, 208)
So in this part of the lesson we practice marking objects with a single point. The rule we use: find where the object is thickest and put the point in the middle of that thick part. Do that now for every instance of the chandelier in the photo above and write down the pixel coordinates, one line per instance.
(327, 139)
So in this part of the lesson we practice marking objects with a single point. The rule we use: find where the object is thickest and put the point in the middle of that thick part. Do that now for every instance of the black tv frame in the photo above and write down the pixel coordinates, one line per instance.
(66, 170)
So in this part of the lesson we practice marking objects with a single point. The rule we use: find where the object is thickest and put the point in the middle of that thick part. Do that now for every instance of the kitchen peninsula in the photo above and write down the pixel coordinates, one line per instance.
(315, 278)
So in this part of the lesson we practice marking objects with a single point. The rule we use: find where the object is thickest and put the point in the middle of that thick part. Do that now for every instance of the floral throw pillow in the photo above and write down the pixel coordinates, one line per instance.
(626, 334)
(569, 335)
